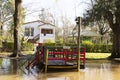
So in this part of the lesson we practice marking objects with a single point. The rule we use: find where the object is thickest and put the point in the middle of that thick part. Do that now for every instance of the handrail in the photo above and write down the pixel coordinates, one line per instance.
(36, 37)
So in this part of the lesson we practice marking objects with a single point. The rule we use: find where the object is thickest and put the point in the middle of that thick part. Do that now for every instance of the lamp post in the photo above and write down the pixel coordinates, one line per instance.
(78, 22)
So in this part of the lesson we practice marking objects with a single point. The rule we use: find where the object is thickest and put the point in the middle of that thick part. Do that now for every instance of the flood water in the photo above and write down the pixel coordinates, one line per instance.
(95, 70)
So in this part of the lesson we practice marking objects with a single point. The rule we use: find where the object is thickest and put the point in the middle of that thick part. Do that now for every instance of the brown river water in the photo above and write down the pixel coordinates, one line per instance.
(94, 70)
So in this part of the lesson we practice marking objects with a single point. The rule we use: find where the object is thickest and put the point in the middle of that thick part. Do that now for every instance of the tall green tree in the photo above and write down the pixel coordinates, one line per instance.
(109, 11)
(17, 25)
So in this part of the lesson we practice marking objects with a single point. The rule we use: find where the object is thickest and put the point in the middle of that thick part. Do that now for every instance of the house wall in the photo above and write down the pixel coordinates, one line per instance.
(37, 30)
(32, 25)
(47, 37)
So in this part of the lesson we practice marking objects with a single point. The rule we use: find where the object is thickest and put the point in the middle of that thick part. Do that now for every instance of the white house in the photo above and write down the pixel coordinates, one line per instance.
(39, 32)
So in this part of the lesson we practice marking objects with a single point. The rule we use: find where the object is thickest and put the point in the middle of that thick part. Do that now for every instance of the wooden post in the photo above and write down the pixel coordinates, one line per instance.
(46, 60)
(78, 22)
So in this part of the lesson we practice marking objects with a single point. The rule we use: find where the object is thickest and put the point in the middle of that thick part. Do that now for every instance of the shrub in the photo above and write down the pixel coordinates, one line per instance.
(71, 44)
(97, 48)
(9, 46)
(88, 45)
(27, 46)
(49, 44)
(104, 48)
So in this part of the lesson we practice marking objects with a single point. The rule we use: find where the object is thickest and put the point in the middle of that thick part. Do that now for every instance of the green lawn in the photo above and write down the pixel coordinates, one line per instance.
(88, 55)
(97, 55)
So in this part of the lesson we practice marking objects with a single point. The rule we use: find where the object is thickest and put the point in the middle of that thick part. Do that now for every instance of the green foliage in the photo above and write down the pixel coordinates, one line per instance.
(27, 46)
(1, 61)
(88, 45)
(106, 48)
(0, 41)
(9, 46)
(71, 44)
(60, 41)
(99, 48)
(49, 44)
(51, 41)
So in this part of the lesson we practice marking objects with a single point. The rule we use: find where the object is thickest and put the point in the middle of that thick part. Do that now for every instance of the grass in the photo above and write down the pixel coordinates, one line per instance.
(97, 55)
(88, 55)
(3, 54)
(28, 52)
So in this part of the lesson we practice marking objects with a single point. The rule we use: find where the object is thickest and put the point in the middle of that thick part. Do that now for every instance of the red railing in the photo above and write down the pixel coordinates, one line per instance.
(56, 54)
(67, 55)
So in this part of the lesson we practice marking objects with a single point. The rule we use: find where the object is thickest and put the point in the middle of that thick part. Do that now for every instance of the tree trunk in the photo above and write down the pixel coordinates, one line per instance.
(17, 19)
(116, 41)
(1, 30)
(116, 46)
(101, 39)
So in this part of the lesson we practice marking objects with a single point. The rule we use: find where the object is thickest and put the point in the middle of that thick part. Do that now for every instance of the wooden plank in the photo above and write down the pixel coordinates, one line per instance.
(46, 61)
(57, 66)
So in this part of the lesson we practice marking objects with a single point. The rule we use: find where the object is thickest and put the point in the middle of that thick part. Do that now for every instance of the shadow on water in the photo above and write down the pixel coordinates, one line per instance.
(11, 69)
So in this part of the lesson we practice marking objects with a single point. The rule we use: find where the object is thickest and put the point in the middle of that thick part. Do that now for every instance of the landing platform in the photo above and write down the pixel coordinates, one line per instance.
(57, 64)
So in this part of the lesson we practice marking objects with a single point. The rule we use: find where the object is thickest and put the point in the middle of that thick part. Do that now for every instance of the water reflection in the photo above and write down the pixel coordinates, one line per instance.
(95, 70)
(4, 68)
(102, 73)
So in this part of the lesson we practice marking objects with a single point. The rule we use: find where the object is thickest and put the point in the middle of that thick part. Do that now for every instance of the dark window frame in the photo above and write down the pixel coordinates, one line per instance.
(29, 31)
(46, 31)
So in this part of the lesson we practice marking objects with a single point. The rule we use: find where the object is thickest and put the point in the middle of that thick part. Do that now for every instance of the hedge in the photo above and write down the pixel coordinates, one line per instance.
(99, 48)
(90, 47)
(27, 46)
(9, 46)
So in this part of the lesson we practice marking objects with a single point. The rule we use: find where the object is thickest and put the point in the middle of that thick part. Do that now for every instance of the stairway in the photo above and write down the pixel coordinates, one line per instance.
(35, 39)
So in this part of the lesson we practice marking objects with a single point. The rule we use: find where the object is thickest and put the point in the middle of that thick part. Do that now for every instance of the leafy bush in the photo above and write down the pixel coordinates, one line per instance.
(71, 44)
(101, 48)
(97, 48)
(88, 45)
(49, 44)
(9, 46)
(106, 48)
(27, 46)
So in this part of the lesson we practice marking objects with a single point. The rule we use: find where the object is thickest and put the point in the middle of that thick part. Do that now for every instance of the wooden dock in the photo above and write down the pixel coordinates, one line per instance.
(57, 57)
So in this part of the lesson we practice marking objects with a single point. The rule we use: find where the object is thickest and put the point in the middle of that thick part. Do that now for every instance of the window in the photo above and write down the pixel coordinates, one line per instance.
(32, 31)
(29, 31)
(47, 31)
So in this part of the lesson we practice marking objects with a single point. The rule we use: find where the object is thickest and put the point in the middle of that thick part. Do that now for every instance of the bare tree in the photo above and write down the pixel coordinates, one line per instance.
(6, 12)
(67, 29)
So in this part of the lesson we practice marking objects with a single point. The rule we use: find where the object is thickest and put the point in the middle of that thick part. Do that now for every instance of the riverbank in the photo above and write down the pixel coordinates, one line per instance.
(88, 55)
(6, 54)
(97, 56)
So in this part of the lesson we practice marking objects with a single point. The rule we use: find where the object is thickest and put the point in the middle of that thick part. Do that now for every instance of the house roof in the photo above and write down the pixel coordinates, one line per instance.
(43, 23)
(88, 33)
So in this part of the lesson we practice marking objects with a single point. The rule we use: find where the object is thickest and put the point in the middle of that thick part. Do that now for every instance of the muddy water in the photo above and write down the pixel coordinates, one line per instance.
(95, 70)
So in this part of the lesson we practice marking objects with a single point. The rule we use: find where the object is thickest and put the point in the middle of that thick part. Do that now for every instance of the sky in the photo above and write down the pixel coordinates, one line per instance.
(59, 8)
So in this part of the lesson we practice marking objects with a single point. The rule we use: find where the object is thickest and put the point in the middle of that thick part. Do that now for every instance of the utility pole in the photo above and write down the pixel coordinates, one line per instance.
(78, 22)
